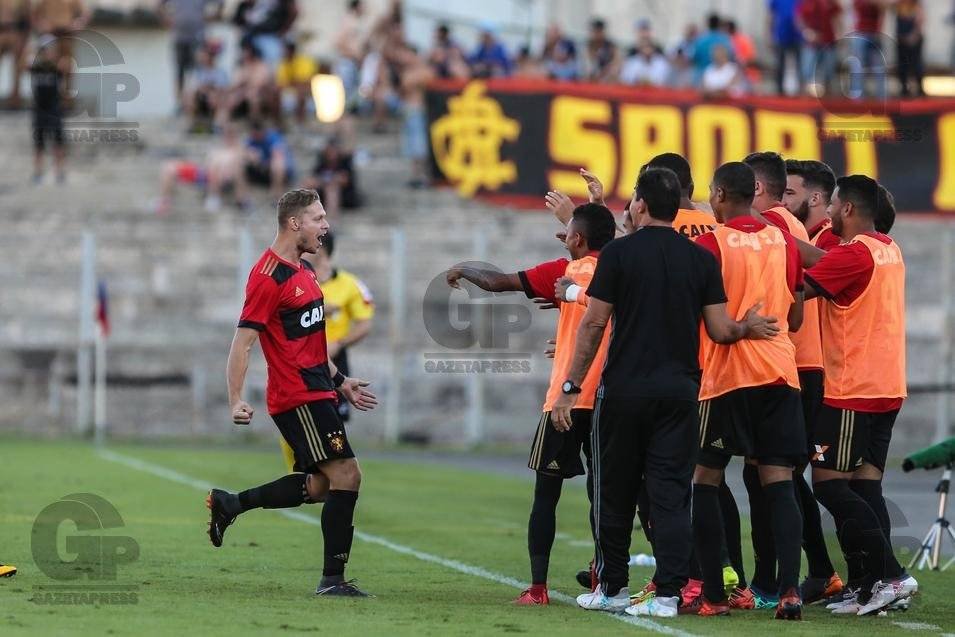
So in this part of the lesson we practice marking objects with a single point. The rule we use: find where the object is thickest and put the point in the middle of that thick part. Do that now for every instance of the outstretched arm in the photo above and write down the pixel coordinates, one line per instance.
(489, 280)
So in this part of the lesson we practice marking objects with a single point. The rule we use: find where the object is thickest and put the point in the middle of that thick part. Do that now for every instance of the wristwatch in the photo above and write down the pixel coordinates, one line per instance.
(569, 387)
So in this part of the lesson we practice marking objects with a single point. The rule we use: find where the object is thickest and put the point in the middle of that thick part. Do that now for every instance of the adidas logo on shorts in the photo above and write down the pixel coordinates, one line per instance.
(553, 465)
(718, 443)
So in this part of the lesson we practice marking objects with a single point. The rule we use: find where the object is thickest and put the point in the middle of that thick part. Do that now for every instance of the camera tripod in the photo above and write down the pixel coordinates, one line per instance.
(932, 544)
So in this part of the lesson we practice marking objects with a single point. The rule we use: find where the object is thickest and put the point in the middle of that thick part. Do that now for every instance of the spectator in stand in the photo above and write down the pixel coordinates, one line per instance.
(528, 66)
(350, 46)
(867, 60)
(265, 23)
(253, 87)
(333, 177)
(14, 33)
(490, 58)
(222, 169)
(702, 53)
(268, 159)
(646, 67)
(786, 40)
(602, 56)
(46, 80)
(686, 45)
(415, 143)
(682, 74)
(644, 32)
(723, 77)
(446, 56)
(744, 50)
(560, 55)
(187, 19)
(909, 22)
(294, 76)
(816, 20)
(61, 19)
(205, 88)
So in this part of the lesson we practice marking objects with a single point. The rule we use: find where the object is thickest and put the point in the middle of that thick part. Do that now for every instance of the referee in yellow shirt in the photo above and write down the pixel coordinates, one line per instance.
(349, 309)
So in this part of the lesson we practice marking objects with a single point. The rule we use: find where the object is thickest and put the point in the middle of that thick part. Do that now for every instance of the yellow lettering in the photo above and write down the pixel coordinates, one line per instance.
(859, 137)
(944, 196)
(573, 142)
(645, 132)
(705, 125)
(790, 134)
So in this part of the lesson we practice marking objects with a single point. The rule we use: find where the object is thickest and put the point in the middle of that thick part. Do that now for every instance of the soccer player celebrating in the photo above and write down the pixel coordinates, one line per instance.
(555, 454)
(645, 419)
(750, 390)
(862, 281)
(284, 308)
(809, 186)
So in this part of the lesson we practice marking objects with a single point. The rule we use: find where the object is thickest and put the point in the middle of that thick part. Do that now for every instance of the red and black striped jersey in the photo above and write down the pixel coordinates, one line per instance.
(284, 302)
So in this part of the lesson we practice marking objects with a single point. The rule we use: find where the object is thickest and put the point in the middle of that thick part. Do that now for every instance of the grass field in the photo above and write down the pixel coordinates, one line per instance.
(443, 550)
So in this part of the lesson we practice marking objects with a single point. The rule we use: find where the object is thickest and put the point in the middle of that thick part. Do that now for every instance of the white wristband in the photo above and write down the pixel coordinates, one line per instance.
(572, 292)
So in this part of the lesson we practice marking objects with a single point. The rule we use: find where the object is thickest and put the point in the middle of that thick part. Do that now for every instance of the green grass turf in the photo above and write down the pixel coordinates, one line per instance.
(261, 580)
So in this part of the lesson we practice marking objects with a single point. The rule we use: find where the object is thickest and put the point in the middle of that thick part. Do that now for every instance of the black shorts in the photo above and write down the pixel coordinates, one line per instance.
(557, 453)
(47, 126)
(315, 433)
(811, 382)
(764, 423)
(843, 439)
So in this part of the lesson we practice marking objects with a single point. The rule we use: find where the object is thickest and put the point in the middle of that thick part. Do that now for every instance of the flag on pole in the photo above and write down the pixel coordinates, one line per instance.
(102, 307)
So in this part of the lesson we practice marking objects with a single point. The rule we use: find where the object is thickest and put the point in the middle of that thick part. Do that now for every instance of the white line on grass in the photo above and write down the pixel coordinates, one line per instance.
(461, 567)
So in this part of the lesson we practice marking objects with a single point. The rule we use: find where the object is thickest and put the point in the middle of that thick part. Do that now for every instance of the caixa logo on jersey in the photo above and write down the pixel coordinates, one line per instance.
(305, 320)
(477, 328)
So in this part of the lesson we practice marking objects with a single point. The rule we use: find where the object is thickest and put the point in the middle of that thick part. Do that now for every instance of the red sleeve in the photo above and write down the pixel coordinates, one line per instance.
(539, 281)
(776, 219)
(794, 271)
(843, 273)
(709, 242)
(827, 240)
(261, 301)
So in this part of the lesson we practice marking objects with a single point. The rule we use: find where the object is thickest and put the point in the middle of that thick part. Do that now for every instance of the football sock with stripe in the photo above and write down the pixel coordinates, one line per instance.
(764, 549)
(337, 531)
(542, 525)
(871, 492)
(813, 540)
(785, 523)
(707, 526)
(731, 552)
(284, 493)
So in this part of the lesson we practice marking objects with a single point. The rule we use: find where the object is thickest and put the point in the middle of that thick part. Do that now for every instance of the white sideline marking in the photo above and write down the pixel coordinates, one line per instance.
(461, 567)
(917, 626)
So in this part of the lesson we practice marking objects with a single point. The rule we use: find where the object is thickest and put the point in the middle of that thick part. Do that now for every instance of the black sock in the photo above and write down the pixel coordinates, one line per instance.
(284, 493)
(707, 526)
(732, 536)
(786, 525)
(542, 525)
(764, 549)
(337, 531)
(871, 492)
(859, 530)
(813, 540)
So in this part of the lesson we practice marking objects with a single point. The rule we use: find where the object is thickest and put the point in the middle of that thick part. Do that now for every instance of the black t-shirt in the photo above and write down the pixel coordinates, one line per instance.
(658, 282)
(46, 80)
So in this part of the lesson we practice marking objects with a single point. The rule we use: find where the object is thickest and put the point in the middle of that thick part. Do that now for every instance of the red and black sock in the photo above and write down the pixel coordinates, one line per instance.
(285, 493)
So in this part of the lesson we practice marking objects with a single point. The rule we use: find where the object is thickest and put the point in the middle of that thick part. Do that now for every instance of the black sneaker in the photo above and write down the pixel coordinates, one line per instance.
(342, 589)
(219, 516)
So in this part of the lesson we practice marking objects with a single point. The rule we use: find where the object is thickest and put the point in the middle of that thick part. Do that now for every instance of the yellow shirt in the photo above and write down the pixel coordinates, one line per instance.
(299, 69)
(347, 299)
